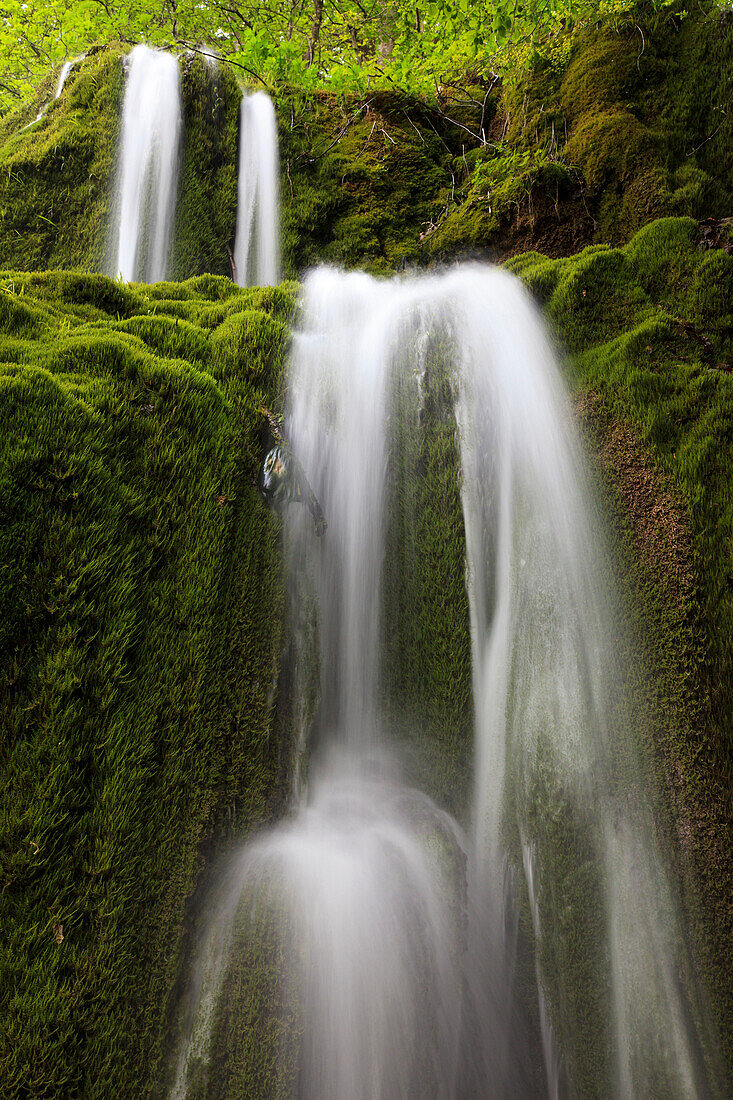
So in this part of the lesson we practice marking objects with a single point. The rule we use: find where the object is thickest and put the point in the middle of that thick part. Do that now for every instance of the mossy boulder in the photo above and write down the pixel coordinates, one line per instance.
(140, 637)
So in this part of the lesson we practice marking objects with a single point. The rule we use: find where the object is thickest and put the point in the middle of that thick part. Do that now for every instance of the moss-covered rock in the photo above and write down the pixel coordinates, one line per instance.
(55, 172)
(650, 332)
(362, 180)
(140, 627)
(141, 603)
(206, 213)
(636, 105)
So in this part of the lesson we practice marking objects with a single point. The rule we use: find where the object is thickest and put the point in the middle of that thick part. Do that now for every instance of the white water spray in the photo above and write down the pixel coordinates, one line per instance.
(147, 176)
(403, 959)
(257, 243)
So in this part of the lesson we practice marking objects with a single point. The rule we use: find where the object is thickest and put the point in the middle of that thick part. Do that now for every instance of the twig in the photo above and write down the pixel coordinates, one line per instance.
(419, 134)
(710, 136)
(233, 264)
(216, 56)
(643, 46)
(339, 135)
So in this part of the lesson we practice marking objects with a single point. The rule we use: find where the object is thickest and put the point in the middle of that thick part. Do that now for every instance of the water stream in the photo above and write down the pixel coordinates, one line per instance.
(538, 950)
(60, 84)
(147, 174)
(257, 242)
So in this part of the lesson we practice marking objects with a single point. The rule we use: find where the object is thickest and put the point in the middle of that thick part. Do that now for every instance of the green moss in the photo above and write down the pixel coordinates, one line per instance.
(634, 108)
(55, 175)
(361, 179)
(504, 180)
(140, 612)
(602, 71)
(251, 341)
(206, 214)
(633, 319)
(427, 662)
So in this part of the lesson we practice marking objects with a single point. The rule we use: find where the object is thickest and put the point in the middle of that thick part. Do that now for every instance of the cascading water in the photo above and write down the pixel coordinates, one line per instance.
(257, 242)
(391, 945)
(147, 176)
(64, 74)
(60, 84)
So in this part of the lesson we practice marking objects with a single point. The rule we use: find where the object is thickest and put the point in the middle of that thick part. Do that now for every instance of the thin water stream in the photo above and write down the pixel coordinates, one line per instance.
(540, 949)
(257, 242)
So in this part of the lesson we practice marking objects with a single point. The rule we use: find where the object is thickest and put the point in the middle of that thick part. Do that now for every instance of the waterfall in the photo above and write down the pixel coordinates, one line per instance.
(147, 174)
(63, 76)
(65, 70)
(390, 945)
(257, 242)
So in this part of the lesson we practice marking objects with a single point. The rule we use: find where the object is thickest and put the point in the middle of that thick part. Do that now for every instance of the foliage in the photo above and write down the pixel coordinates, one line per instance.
(345, 45)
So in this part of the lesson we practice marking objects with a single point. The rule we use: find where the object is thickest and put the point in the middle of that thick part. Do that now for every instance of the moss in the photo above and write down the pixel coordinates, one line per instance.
(634, 319)
(602, 71)
(140, 633)
(636, 108)
(55, 175)
(206, 214)
(251, 341)
(427, 661)
(361, 179)
(503, 182)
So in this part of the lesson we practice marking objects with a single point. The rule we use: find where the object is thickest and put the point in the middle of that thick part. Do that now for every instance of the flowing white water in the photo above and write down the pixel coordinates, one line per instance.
(64, 74)
(257, 242)
(63, 77)
(404, 947)
(147, 175)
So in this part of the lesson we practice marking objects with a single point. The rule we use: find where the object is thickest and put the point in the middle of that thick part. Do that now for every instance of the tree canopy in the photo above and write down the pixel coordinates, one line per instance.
(340, 44)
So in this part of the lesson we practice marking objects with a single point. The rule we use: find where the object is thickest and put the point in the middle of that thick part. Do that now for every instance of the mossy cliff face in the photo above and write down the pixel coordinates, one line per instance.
(207, 208)
(363, 180)
(142, 602)
(140, 636)
(591, 136)
(427, 660)
(649, 334)
(55, 173)
(600, 131)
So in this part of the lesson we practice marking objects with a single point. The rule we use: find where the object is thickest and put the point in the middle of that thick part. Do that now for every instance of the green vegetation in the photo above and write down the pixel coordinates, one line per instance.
(590, 134)
(141, 598)
(142, 602)
(361, 179)
(140, 635)
(427, 660)
(343, 45)
(599, 130)
(649, 332)
(56, 174)
(207, 209)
